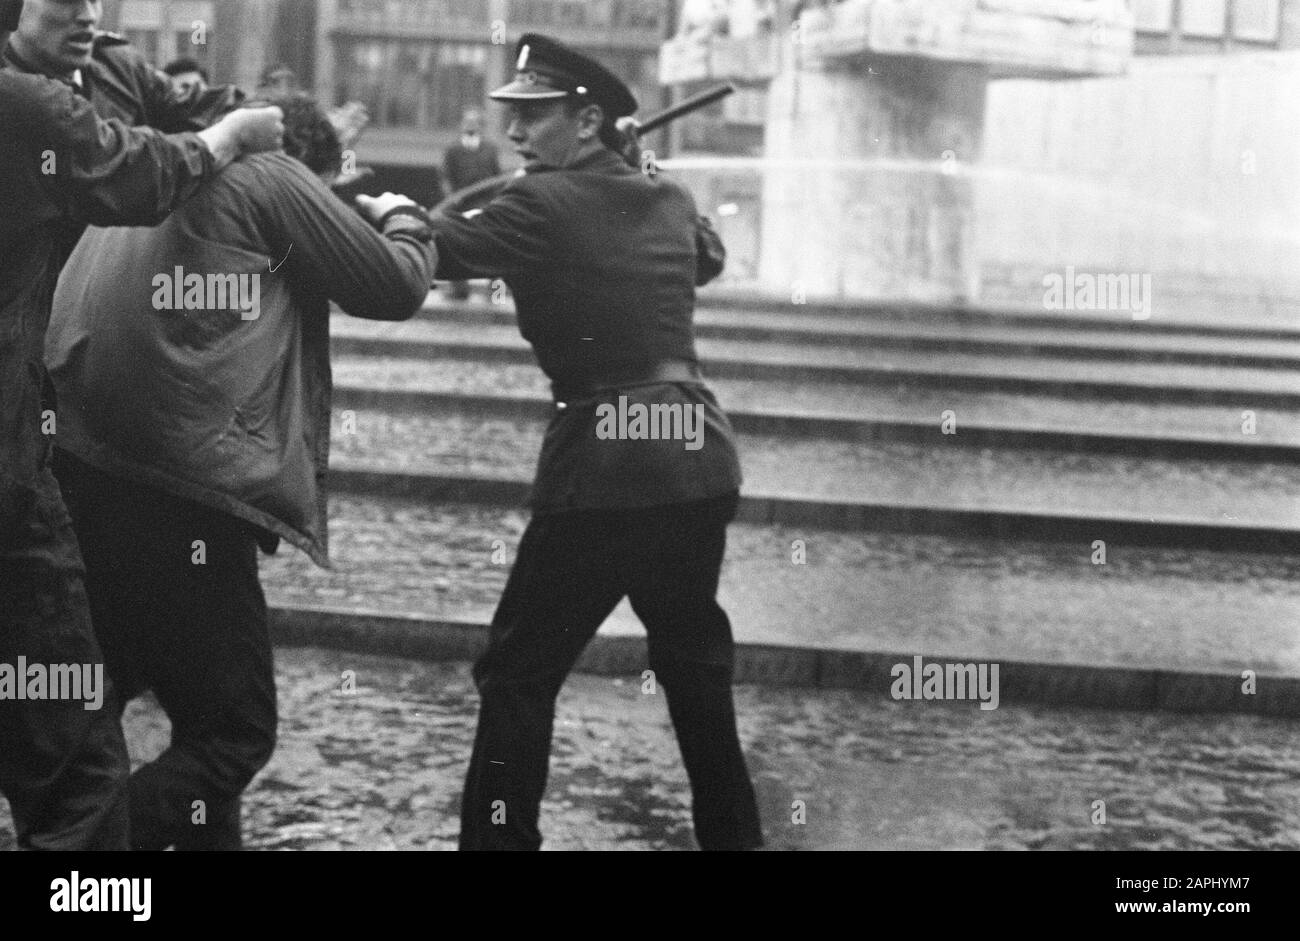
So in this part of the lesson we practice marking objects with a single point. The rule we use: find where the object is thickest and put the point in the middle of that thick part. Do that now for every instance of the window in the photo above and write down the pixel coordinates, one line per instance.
(423, 85)
(1256, 20)
(1153, 16)
(1203, 18)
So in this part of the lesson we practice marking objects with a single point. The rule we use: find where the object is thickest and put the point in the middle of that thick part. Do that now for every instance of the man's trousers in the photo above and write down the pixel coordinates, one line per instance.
(573, 568)
(63, 768)
(179, 610)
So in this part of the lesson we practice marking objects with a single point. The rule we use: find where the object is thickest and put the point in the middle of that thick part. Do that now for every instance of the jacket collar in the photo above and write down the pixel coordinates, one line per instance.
(600, 161)
(12, 58)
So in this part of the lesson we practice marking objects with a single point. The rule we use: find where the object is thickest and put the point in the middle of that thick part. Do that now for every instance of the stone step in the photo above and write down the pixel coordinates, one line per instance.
(846, 428)
(914, 312)
(938, 487)
(991, 338)
(904, 313)
(734, 359)
(400, 382)
(401, 565)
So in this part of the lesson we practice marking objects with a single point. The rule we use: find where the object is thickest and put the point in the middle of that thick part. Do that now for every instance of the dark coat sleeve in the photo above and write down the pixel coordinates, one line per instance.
(508, 237)
(326, 244)
(106, 173)
(711, 254)
(165, 108)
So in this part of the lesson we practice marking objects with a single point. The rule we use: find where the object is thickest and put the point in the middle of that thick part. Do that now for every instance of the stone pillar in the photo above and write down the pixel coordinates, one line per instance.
(865, 192)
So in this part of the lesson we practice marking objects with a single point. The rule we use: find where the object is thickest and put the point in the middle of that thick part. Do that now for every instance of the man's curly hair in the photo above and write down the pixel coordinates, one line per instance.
(309, 137)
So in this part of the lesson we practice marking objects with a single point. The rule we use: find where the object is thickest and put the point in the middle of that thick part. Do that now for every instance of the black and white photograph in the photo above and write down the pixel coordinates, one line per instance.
(652, 425)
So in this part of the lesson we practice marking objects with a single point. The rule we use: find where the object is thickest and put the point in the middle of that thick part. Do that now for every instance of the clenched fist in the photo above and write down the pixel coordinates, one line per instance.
(246, 131)
(257, 129)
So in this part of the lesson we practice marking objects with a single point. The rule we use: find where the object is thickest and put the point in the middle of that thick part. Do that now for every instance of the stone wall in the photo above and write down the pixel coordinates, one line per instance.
(1185, 169)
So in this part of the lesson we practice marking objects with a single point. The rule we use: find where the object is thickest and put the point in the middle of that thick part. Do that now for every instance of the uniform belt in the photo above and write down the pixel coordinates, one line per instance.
(668, 370)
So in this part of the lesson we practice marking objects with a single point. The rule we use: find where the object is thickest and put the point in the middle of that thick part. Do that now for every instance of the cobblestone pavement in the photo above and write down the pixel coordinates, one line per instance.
(382, 769)
(1021, 600)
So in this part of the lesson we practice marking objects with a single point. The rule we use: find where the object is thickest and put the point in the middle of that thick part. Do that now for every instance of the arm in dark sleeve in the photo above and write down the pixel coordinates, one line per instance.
(711, 254)
(507, 237)
(327, 246)
(174, 112)
(105, 173)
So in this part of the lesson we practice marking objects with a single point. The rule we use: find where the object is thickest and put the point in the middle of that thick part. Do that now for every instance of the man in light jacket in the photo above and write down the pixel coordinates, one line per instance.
(192, 368)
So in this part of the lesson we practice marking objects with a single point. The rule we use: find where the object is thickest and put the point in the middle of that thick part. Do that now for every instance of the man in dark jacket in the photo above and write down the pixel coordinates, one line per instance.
(638, 475)
(61, 39)
(192, 369)
(63, 762)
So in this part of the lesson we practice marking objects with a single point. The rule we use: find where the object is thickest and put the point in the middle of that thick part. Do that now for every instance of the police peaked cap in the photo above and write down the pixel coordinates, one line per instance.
(547, 69)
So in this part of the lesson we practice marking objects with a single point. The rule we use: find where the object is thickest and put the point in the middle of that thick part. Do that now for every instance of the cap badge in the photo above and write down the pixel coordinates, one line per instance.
(523, 58)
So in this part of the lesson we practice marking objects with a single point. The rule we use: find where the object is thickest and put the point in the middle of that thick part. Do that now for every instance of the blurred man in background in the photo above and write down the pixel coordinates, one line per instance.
(187, 76)
(468, 161)
(277, 79)
(63, 764)
(205, 421)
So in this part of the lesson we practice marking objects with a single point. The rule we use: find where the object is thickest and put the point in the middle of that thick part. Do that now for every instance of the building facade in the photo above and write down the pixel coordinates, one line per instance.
(235, 40)
(419, 64)
(1192, 27)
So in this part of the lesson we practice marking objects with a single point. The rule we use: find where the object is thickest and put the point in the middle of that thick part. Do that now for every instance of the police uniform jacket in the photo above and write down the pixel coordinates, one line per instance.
(603, 261)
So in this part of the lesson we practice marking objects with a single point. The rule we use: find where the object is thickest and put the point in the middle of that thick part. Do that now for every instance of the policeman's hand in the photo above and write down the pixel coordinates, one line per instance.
(245, 131)
(375, 208)
(630, 128)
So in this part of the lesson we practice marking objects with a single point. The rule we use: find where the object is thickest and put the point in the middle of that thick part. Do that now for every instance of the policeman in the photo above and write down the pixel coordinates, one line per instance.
(603, 261)
(63, 762)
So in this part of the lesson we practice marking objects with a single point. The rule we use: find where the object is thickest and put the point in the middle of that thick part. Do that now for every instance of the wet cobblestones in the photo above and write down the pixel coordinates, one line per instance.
(382, 769)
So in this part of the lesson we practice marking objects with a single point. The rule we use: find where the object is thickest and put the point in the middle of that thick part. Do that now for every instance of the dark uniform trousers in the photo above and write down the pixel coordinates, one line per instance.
(194, 634)
(68, 790)
(572, 569)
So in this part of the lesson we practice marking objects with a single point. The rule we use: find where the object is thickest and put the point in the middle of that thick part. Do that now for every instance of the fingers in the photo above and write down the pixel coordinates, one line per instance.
(375, 208)
(258, 129)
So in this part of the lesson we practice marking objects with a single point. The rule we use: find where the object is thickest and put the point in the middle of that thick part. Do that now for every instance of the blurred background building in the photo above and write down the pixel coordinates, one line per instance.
(945, 150)
(416, 64)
